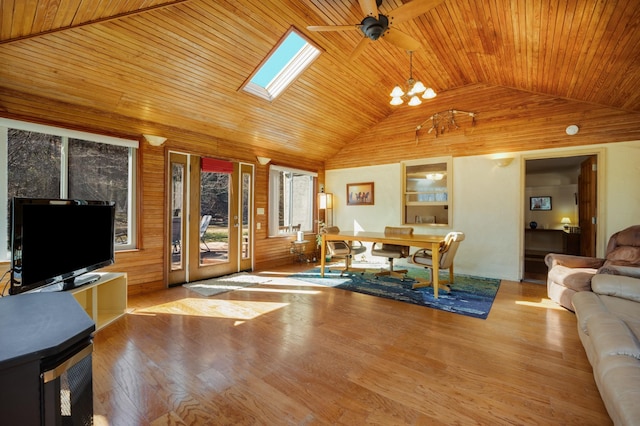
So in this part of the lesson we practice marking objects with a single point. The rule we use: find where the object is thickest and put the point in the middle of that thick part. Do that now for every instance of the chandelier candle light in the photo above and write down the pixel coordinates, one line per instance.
(414, 88)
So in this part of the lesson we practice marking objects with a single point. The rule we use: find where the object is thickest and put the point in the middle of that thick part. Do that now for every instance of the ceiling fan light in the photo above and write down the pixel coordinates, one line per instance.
(414, 101)
(418, 87)
(429, 93)
(396, 100)
(397, 92)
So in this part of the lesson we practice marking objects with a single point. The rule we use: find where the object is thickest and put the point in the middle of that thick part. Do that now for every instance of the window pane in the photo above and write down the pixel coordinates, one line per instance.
(101, 172)
(34, 164)
(214, 202)
(177, 191)
(291, 198)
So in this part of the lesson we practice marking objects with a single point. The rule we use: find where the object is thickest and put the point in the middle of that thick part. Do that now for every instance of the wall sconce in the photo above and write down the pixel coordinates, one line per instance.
(566, 222)
(325, 202)
(263, 160)
(154, 140)
(504, 161)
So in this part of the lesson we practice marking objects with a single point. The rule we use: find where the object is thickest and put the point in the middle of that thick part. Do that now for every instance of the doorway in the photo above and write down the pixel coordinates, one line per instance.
(210, 221)
(566, 221)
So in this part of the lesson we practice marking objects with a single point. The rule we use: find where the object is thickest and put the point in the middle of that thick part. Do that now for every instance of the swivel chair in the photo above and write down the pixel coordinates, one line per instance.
(343, 249)
(392, 251)
(447, 252)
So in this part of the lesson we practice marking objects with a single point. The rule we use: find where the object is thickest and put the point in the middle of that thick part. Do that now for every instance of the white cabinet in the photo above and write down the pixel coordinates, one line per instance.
(427, 192)
(104, 300)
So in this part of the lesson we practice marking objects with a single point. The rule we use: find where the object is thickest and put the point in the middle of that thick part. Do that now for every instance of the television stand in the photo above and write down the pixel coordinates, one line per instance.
(105, 299)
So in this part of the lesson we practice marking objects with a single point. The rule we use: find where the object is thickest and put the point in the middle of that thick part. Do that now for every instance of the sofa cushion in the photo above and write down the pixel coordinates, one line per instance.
(611, 336)
(617, 285)
(578, 279)
(617, 381)
(625, 255)
(585, 305)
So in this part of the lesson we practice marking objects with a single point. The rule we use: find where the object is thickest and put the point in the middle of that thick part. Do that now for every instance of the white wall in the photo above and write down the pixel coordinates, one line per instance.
(488, 204)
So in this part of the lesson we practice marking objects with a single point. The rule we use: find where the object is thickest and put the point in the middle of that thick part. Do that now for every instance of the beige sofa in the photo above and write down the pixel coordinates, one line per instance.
(570, 274)
(609, 328)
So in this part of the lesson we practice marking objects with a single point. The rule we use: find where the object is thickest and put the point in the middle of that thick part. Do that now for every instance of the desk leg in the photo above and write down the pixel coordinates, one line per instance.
(323, 254)
(435, 257)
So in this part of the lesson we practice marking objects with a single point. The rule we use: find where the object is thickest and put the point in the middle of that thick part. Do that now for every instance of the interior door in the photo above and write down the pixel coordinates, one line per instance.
(587, 216)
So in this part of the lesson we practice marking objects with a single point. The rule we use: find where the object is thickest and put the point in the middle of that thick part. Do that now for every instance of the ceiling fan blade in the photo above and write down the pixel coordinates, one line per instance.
(401, 39)
(333, 27)
(411, 10)
(364, 42)
(369, 7)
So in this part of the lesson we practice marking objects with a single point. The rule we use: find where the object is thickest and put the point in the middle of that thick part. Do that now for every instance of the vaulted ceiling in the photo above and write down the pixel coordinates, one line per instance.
(175, 68)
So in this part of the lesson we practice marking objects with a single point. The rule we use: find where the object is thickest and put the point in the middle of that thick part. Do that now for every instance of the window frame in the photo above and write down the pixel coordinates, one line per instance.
(65, 135)
(289, 73)
(274, 199)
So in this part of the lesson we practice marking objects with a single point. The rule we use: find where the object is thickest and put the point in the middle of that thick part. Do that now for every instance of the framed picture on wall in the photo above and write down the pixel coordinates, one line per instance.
(540, 203)
(360, 194)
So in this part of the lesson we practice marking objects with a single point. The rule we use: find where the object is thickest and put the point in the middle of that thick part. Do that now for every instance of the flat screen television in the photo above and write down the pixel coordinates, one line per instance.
(56, 242)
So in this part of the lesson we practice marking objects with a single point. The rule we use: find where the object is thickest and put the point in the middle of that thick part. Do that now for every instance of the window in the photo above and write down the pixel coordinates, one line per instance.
(285, 63)
(427, 192)
(49, 162)
(291, 197)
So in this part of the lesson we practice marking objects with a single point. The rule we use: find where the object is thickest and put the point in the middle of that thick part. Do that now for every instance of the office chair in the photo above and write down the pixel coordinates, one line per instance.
(343, 249)
(392, 251)
(447, 253)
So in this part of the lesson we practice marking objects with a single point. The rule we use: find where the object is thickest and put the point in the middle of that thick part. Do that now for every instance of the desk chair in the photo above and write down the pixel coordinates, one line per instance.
(447, 252)
(343, 249)
(392, 251)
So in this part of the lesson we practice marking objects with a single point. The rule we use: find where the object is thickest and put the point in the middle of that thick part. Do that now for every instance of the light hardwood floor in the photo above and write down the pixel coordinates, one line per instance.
(293, 353)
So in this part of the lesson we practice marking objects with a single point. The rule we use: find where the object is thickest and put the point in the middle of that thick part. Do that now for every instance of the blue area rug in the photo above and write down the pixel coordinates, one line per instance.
(470, 296)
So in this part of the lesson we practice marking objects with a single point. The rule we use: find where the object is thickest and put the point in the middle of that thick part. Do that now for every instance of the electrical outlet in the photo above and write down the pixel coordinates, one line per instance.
(258, 225)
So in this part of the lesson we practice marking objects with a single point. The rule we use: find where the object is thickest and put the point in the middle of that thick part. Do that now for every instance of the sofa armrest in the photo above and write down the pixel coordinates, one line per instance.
(572, 261)
(617, 285)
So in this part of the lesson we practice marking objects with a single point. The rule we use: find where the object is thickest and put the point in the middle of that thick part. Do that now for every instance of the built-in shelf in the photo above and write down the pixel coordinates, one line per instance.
(427, 192)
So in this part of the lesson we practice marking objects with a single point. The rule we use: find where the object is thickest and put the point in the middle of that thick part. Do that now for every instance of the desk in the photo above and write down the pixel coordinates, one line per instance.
(431, 242)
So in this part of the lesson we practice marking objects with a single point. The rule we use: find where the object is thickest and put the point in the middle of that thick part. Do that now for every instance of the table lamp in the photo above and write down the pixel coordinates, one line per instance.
(566, 222)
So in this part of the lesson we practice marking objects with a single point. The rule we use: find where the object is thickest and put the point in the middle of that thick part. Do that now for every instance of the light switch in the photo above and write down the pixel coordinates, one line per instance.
(260, 210)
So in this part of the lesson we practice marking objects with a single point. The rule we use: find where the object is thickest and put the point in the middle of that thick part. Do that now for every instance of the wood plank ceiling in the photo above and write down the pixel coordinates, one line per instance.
(176, 67)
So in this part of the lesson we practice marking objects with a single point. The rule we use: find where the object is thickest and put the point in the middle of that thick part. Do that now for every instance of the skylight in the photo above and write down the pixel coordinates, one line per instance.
(285, 63)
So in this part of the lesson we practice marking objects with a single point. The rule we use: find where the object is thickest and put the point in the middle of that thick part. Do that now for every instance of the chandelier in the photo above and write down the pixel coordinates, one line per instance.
(414, 89)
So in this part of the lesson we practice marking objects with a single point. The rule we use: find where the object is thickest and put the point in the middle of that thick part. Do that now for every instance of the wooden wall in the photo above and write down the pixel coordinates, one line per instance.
(507, 120)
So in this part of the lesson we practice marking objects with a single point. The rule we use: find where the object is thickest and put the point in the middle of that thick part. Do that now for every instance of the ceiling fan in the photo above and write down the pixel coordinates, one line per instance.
(376, 25)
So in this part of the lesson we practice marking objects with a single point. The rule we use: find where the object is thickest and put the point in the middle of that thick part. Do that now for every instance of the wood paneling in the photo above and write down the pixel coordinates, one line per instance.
(507, 120)
(175, 68)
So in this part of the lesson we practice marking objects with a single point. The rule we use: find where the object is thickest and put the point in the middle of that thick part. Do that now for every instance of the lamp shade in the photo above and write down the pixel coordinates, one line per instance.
(397, 92)
(414, 101)
(418, 87)
(429, 94)
(154, 140)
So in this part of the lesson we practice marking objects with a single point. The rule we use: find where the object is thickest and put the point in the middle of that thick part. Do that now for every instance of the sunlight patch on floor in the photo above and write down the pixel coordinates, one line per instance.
(543, 303)
(214, 308)
(277, 290)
